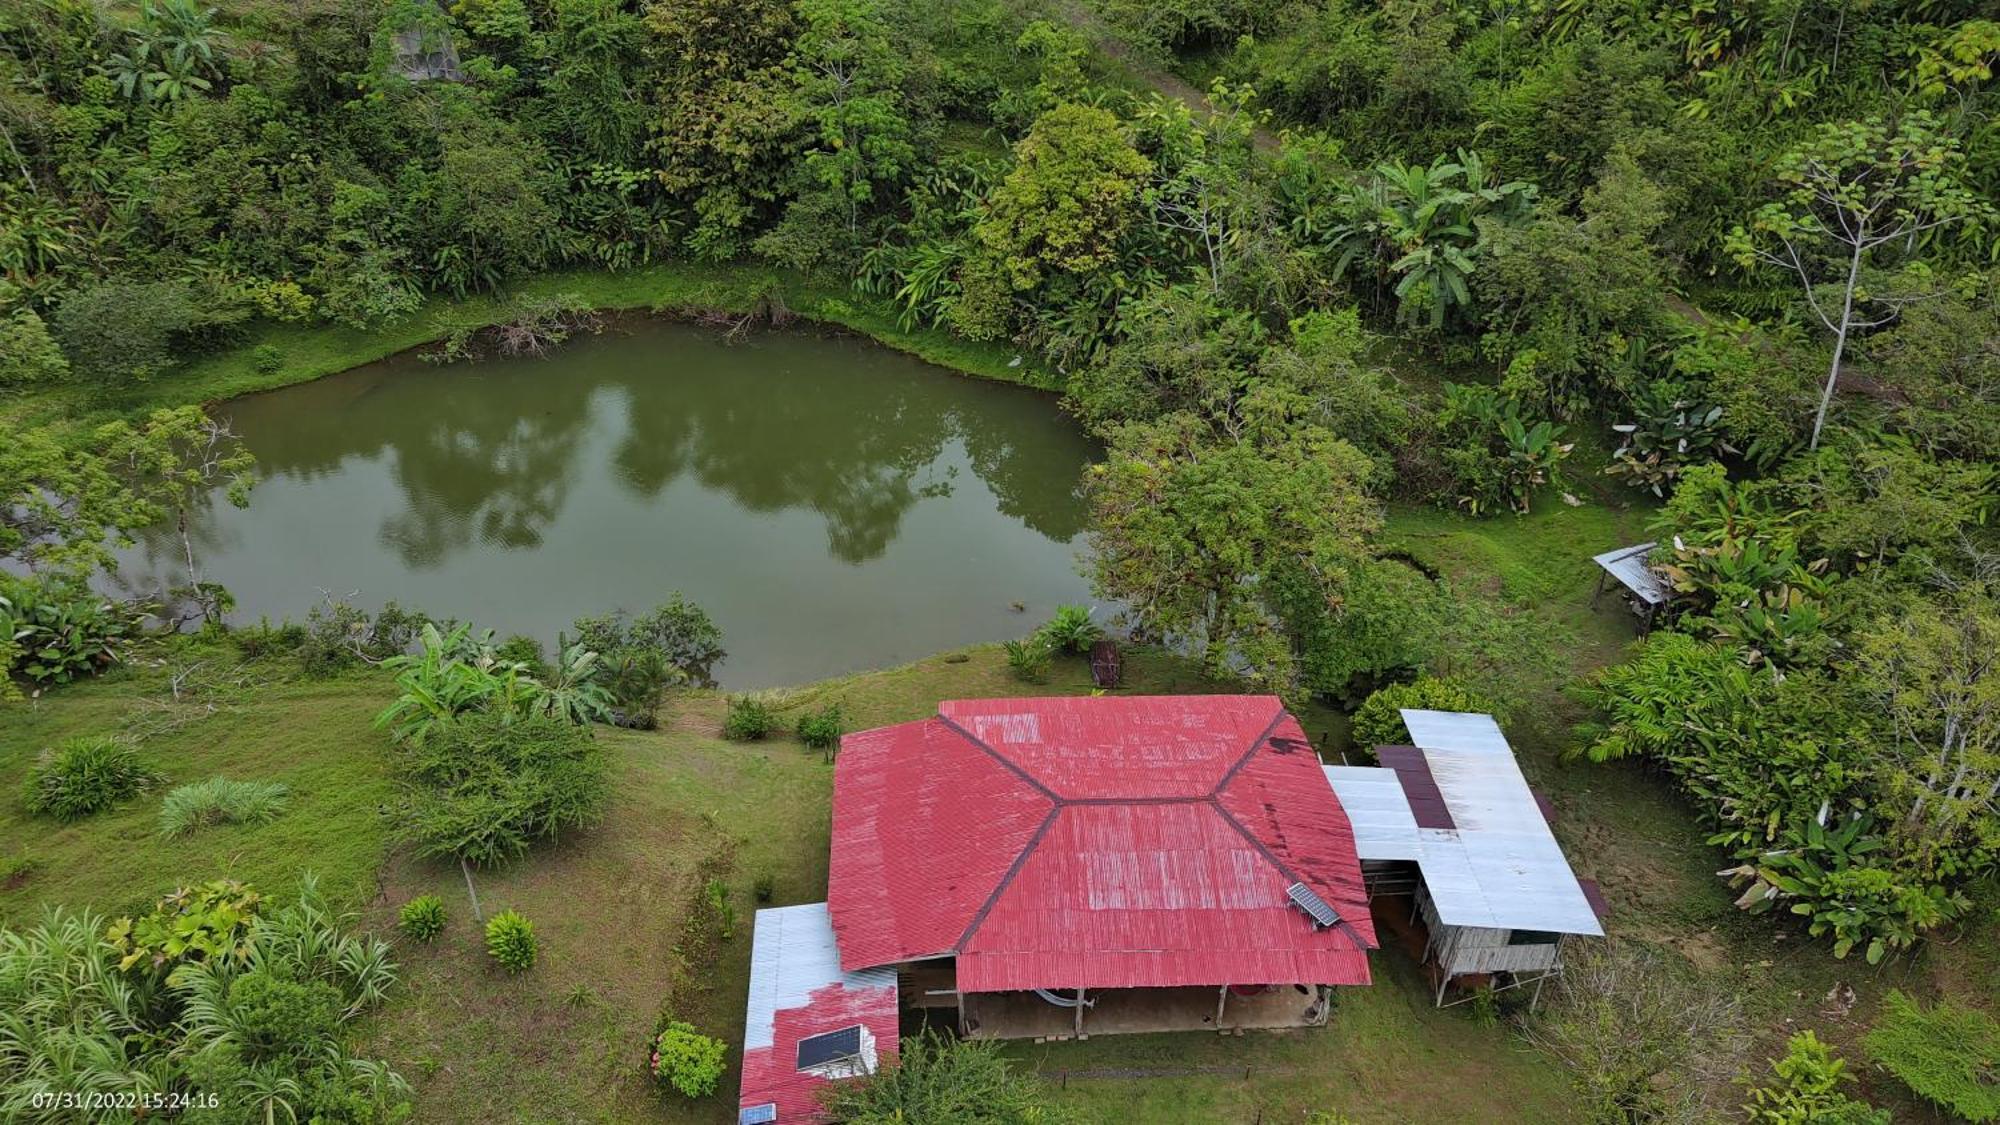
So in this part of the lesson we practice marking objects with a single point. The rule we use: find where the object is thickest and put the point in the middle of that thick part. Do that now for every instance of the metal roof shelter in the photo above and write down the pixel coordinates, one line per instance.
(801, 1006)
(1648, 589)
(1088, 843)
(1488, 860)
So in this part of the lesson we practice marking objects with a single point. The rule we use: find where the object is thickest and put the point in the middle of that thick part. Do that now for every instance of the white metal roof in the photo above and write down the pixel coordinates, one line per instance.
(1375, 805)
(1500, 866)
(1628, 566)
(791, 954)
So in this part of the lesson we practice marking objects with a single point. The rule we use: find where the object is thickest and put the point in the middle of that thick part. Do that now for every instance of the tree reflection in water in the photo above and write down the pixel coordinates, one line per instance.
(649, 439)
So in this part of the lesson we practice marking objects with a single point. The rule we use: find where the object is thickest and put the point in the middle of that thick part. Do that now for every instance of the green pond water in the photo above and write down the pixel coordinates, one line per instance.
(835, 506)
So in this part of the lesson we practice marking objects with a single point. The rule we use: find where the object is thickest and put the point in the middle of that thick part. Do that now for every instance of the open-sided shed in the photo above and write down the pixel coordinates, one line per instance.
(1452, 822)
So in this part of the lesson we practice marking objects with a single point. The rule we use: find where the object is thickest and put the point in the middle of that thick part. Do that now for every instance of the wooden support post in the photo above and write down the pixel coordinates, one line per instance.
(1599, 591)
(1444, 981)
(1079, 1013)
(1221, 1001)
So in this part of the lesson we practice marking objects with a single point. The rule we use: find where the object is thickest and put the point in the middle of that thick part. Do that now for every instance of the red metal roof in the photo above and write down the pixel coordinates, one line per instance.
(1095, 843)
(771, 1074)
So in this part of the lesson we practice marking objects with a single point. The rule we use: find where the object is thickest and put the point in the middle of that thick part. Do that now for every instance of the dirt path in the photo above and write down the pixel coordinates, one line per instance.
(1104, 38)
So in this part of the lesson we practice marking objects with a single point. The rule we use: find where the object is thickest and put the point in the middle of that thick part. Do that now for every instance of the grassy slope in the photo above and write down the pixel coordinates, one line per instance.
(560, 1043)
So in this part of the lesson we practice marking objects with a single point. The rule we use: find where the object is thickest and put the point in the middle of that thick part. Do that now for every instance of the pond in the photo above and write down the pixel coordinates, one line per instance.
(834, 505)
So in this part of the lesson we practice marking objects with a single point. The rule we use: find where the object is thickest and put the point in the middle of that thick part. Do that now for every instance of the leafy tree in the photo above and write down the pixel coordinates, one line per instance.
(482, 789)
(179, 459)
(726, 123)
(29, 356)
(1935, 675)
(849, 69)
(123, 332)
(1859, 199)
(686, 1061)
(1071, 195)
(1190, 532)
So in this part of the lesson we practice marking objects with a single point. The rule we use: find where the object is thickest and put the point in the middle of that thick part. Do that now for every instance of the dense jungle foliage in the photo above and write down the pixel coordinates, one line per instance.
(1741, 259)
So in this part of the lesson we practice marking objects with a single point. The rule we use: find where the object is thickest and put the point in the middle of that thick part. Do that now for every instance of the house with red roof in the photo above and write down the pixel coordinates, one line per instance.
(1060, 868)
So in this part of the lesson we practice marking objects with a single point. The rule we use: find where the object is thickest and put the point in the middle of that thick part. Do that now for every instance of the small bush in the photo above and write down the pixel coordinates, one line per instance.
(80, 776)
(1808, 1090)
(485, 786)
(422, 918)
(764, 887)
(749, 719)
(59, 634)
(686, 1061)
(822, 729)
(1071, 630)
(510, 940)
(211, 922)
(518, 649)
(1028, 660)
(1945, 1053)
(267, 358)
(220, 801)
(716, 898)
(1379, 722)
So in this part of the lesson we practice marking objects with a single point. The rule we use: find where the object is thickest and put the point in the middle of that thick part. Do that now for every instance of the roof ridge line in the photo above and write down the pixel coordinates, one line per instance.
(1006, 880)
(1283, 869)
(1229, 774)
(1013, 767)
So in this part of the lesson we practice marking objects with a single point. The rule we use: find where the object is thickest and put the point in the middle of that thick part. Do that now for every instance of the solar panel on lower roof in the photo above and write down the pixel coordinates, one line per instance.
(1308, 900)
(831, 1046)
(757, 1114)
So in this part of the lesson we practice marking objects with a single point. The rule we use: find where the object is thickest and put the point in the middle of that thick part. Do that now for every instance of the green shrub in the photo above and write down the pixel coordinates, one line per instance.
(58, 635)
(764, 886)
(822, 729)
(715, 900)
(1808, 1090)
(28, 354)
(1028, 660)
(518, 649)
(686, 1061)
(267, 358)
(1071, 630)
(484, 786)
(209, 923)
(1379, 722)
(277, 1018)
(939, 1079)
(510, 940)
(84, 775)
(422, 917)
(1946, 1053)
(750, 718)
(220, 801)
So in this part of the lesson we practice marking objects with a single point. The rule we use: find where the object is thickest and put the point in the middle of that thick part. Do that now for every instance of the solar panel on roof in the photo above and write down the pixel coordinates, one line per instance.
(757, 1114)
(830, 1046)
(1308, 900)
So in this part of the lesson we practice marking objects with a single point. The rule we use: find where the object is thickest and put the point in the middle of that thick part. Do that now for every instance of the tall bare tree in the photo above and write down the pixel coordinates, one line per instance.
(1859, 201)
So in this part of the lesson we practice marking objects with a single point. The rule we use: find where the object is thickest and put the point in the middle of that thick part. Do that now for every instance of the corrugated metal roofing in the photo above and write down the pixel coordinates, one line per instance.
(1379, 810)
(1500, 867)
(1628, 566)
(798, 990)
(1136, 842)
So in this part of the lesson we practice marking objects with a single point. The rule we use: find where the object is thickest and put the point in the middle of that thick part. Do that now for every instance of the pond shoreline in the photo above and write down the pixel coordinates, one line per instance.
(679, 291)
